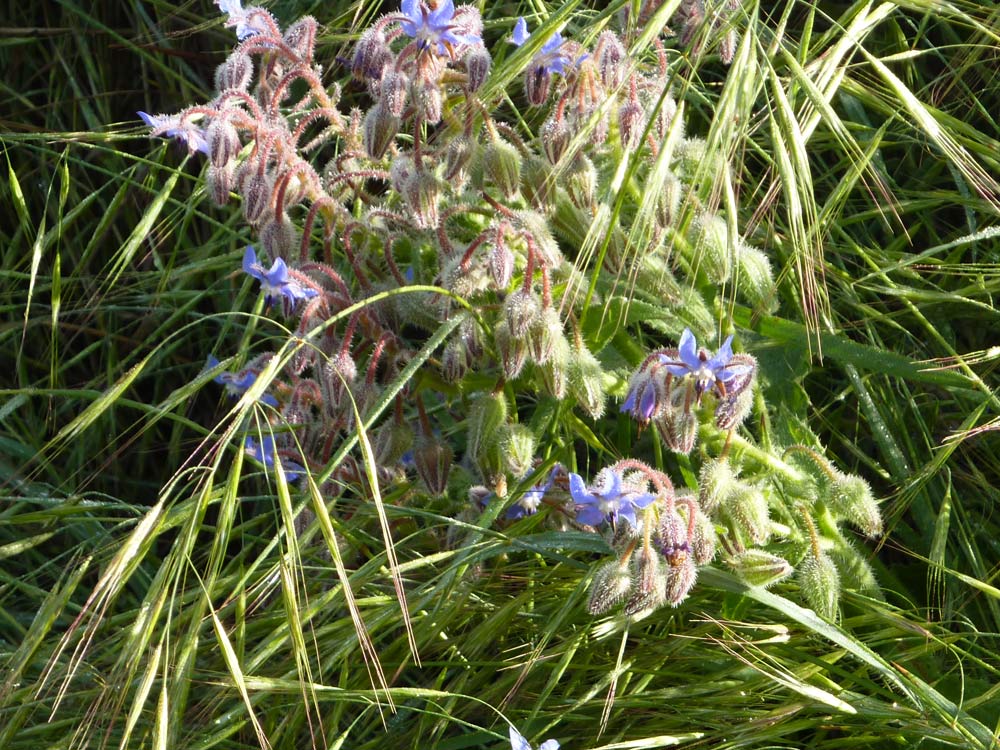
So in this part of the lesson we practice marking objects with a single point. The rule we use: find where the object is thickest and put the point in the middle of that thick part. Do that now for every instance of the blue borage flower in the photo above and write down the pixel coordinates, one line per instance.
(276, 282)
(550, 58)
(433, 28)
(247, 22)
(265, 453)
(531, 499)
(643, 397)
(607, 499)
(517, 742)
(175, 126)
(237, 383)
(708, 372)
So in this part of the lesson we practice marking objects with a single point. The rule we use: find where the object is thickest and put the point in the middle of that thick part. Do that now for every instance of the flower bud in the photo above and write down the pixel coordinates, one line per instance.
(756, 567)
(727, 47)
(512, 349)
(538, 184)
(279, 237)
(219, 182)
(522, 309)
(679, 430)
(746, 507)
(715, 483)
(487, 416)
(554, 369)
(379, 130)
(672, 537)
(650, 583)
(234, 73)
(432, 459)
(457, 156)
(427, 101)
(477, 67)
(371, 55)
(819, 582)
(394, 89)
(537, 81)
(581, 182)
(391, 441)
(223, 141)
(544, 334)
(555, 137)
(502, 167)
(755, 279)
(850, 497)
(339, 373)
(709, 236)
(734, 408)
(257, 198)
(501, 264)
(704, 540)
(537, 226)
(518, 444)
(680, 581)
(301, 37)
(663, 118)
(586, 381)
(611, 58)
(454, 361)
(668, 200)
(631, 122)
(612, 583)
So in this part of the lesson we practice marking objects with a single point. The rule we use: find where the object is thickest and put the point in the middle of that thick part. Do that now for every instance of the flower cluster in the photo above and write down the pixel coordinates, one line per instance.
(670, 384)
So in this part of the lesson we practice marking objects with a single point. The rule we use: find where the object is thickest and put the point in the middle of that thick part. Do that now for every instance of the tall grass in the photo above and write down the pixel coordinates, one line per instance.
(158, 590)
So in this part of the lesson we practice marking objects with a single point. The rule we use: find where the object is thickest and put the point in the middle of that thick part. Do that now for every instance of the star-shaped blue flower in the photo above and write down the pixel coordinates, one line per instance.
(708, 372)
(607, 499)
(238, 383)
(173, 126)
(517, 742)
(265, 453)
(276, 282)
(531, 499)
(641, 401)
(550, 58)
(433, 28)
(245, 22)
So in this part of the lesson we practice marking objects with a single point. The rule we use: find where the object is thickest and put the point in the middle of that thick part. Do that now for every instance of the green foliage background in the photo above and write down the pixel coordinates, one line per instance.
(140, 604)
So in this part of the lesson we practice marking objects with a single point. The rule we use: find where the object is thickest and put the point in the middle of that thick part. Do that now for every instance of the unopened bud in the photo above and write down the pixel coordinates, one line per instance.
(301, 37)
(457, 156)
(257, 198)
(279, 237)
(715, 483)
(512, 349)
(555, 137)
(371, 55)
(392, 440)
(477, 67)
(554, 369)
(454, 361)
(502, 167)
(538, 184)
(537, 81)
(427, 101)
(611, 59)
(704, 540)
(234, 73)
(850, 498)
(586, 381)
(679, 430)
(612, 583)
(650, 583)
(219, 183)
(631, 121)
(755, 278)
(537, 226)
(518, 445)
(501, 263)
(380, 129)
(543, 335)
(709, 237)
(522, 309)
(680, 580)
(432, 459)
(487, 415)
(668, 200)
(759, 568)
(746, 507)
(581, 182)
(394, 90)
(819, 582)
(223, 141)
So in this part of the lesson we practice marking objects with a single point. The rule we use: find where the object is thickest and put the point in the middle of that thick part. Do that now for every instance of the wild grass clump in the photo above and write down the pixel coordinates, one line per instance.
(450, 376)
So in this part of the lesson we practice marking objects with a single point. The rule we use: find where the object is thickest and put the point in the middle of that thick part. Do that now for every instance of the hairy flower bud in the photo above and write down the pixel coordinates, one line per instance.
(746, 507)
(454, 360)
(715, 483)
(581, 182)
(586, 380)
(612, 583)
(502, 167)
(819, 582)
(554, 370)
(668, 200)
(650, 586)
(279, 237)
(512, 349)
(257, 198)
(522, 309)
(394, 90)
(371, 55)
(223, 141)
(392, 440)
(517, 445)
(709, 237)
(555, 136)
(631, 122)
(219, 183)
(477, 67)
(544, 334)
(679, 430)
(755, 278)
(704, 540)
(487, 415)
(457, 156)
(538, 184)
(680, 580)
(234, 73)
(301, 38)
(611, 59)
(537, 82)
(850, 498)
(427, 101)
(432, 459)
(537, 226)
(501, 265)
(759, 568)
(379, 130)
